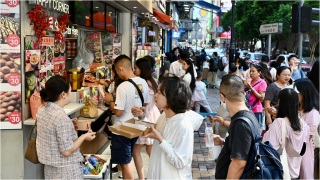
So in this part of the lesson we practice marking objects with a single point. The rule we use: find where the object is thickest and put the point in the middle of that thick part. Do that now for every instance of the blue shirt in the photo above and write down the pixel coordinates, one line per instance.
(298, 74)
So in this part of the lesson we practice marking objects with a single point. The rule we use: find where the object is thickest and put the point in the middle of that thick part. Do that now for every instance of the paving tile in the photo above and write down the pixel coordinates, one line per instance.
(202, 168)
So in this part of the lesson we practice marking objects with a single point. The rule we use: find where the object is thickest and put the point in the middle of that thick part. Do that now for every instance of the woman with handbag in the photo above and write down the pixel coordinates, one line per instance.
(57, 140)
(309, 109)
(296, 131)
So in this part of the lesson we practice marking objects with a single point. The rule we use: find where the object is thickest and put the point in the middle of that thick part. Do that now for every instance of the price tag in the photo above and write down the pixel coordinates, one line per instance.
(14, 79)
(13, 40)
(14, 118)
(12, 3)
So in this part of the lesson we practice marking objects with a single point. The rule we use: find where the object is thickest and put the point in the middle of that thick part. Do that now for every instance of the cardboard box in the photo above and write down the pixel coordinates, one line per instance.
(132, 128)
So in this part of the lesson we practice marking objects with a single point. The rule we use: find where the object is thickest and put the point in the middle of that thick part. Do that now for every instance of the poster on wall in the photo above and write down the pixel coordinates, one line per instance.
(93, 44)
(116, 46)
(107, 44)
(10, 66)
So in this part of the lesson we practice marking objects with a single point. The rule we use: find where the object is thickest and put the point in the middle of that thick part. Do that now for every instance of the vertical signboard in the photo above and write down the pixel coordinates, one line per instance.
(10, 65)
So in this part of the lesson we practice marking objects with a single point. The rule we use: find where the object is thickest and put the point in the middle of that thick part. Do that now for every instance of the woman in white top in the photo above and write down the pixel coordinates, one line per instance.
(172, 150)
(187, 65)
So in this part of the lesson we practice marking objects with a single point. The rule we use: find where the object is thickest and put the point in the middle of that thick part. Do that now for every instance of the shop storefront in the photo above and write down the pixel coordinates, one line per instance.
(40, 39)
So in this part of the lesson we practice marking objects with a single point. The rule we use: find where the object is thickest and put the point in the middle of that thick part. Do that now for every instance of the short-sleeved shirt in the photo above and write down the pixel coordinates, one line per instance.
(55, 134)
(237, 145)
(225, 60)
(272, 94)
(127, 96)
(261, 87)
(298, 74)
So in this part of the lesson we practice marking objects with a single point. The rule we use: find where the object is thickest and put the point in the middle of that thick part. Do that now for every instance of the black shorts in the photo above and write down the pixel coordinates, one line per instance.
(121, 149)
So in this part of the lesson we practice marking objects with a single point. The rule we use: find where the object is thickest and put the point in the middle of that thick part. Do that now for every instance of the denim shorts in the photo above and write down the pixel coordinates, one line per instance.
(121, 149)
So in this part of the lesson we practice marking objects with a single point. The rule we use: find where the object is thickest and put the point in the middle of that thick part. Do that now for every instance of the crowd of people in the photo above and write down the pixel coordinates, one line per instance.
(270, 96)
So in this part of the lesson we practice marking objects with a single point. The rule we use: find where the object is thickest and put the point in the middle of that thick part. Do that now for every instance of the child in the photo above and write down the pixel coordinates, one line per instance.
(199, 96)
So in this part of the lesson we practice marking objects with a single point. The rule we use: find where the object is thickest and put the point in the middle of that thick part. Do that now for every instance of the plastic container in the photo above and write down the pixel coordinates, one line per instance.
(105, 172)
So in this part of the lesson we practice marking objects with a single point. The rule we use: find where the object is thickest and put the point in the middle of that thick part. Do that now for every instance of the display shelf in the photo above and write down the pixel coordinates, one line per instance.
(69, 109)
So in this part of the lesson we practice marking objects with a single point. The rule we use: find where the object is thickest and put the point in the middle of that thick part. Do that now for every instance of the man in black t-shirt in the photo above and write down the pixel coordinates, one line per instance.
(233, 157)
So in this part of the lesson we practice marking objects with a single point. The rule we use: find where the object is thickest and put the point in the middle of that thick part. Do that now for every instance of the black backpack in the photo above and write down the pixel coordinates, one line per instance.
(263, 161)
(213, 64)
(220, 64)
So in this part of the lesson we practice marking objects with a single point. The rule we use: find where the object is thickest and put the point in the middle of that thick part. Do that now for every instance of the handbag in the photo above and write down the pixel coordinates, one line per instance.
(90, 109)
(283, 156)
(31, 152)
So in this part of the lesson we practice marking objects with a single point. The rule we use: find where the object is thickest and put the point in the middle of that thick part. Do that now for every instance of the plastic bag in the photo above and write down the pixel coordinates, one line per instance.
(86, 55)
(90, 110)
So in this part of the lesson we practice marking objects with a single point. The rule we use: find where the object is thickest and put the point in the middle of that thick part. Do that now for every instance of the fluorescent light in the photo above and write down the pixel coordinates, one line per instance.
(97, 7)
(142, 13)
(185, 5)
(134, 7)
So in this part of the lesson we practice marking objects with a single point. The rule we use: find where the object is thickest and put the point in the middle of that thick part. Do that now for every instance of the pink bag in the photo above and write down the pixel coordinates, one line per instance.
(35, 103)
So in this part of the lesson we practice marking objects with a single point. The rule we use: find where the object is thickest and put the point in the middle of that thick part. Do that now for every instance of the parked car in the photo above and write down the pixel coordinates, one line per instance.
(254, 57)
(220, 51)
(305, 66)
(243, 53)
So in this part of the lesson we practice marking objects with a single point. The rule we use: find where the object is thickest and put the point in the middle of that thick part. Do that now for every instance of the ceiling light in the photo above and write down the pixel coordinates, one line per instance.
(186, 9)
(97, 7)
(142, 13)
(185, 5)
(134, 7)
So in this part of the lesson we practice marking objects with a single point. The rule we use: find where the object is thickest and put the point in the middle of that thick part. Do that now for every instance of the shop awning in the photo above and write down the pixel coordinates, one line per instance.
(207, 5)
(165, 26)
(165, 19)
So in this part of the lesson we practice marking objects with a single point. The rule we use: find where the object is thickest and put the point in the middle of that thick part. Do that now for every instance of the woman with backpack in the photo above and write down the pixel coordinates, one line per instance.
(297, 131)
(256, 88)
(309, 109)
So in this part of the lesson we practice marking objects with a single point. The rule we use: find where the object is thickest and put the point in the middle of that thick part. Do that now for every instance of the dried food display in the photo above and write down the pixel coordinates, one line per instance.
(8, 26)
(8, 65)
(10, 102)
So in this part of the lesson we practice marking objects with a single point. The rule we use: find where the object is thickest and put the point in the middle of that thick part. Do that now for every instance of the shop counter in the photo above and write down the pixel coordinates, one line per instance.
(69, 109)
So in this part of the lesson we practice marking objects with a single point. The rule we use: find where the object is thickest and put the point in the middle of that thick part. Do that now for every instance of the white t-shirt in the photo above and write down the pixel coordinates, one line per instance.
(187, 78)
(127, 96)
(225, 60)
(176, 69)
(199, 92)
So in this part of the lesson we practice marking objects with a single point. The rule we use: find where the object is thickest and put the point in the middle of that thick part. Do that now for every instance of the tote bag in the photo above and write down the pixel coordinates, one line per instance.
(283, 156)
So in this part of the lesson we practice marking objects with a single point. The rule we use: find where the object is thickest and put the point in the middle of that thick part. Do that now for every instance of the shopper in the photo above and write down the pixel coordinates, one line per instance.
(309, 107)
(176, 68)
(57, 140)
(127, 96)
(142, 69)
(199, 96)
(271, 98)
(225, 62)
(172, 150)
(314, 74)
(233, 159)
(293, 63)
(257, 87)
(273, 71)
(296, 131)
(213, 69)
(189, 77)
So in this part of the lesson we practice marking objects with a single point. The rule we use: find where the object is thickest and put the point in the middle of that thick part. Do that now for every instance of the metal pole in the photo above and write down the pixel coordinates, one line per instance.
(232, 46)
(197, 36)
(269, 45)
(300, 34)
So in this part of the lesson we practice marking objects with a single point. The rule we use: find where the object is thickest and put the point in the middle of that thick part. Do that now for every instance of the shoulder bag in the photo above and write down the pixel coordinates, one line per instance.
(31, 152)
(138, 89)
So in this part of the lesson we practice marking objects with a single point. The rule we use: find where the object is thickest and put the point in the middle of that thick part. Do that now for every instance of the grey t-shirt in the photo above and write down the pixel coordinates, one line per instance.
(272, 93)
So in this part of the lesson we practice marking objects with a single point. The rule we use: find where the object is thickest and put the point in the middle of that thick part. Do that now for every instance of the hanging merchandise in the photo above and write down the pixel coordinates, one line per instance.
(61, 27)
(40, 21)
